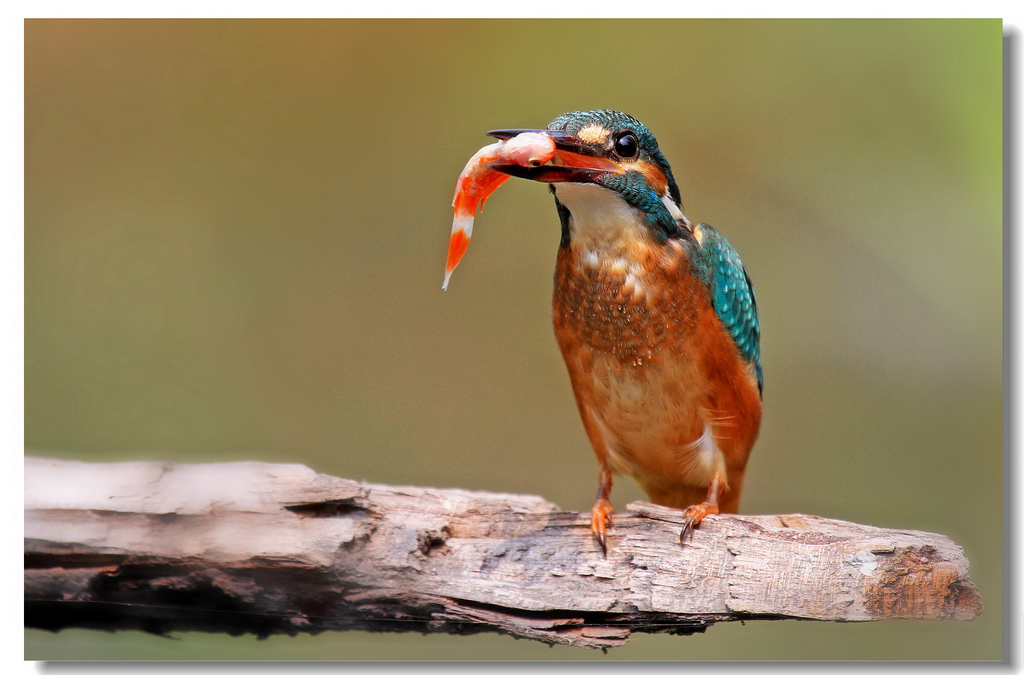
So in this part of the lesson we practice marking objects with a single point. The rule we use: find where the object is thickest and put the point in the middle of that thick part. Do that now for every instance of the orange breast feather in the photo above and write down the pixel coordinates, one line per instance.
(654, 372)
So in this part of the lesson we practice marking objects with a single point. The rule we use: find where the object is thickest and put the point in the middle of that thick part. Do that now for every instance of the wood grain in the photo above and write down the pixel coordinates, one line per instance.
(278, 548)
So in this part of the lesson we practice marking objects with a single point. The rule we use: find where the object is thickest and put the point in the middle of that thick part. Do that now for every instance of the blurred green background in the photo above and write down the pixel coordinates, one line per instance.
(235, 235)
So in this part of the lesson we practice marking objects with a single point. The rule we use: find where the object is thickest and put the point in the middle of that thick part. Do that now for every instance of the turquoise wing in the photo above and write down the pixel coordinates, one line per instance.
(732, 296)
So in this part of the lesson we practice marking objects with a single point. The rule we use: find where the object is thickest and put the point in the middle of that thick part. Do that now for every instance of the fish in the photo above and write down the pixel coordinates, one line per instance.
(478, 181)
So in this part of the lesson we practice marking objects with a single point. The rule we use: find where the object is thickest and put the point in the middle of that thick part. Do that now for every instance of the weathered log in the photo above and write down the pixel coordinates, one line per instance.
(278, 548)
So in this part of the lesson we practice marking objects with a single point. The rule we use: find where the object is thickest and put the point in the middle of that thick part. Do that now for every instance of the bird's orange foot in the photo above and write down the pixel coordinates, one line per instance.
(600, 520)
(692, 517)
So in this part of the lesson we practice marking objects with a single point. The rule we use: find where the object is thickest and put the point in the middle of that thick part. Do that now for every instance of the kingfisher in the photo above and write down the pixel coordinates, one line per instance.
(655, 317)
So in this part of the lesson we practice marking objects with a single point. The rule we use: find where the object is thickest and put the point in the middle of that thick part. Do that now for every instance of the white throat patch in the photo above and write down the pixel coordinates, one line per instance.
(598, 215)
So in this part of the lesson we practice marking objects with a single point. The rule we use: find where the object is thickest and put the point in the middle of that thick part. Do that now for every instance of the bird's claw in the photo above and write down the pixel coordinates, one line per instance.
(600, 519)
(692, 517)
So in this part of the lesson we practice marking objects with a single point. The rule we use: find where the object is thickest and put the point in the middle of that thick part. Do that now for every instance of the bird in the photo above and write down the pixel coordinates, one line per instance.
(655, 318)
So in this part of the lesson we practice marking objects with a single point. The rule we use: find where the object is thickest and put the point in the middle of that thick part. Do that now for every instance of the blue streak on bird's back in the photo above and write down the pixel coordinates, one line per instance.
(732, 296)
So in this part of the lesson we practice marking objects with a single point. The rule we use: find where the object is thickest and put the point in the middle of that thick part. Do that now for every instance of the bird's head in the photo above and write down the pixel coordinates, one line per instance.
(607, 166)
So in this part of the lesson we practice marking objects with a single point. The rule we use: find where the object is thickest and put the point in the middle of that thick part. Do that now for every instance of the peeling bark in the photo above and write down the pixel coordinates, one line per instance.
(277, 548)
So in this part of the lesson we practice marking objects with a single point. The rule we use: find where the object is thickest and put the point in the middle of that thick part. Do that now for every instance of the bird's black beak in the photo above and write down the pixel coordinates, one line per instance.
(574, 161)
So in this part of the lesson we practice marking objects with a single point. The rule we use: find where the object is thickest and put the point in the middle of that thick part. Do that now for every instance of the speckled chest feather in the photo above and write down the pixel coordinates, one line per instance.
(632, 308)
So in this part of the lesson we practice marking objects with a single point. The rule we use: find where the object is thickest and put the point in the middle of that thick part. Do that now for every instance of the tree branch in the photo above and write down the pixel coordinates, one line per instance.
(277, 548)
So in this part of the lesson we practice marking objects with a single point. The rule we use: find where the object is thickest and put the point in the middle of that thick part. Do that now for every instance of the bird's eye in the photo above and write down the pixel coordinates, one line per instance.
(626, 145)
